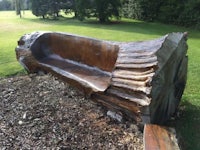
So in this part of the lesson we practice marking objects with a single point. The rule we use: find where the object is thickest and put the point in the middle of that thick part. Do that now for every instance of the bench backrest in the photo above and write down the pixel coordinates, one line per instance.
(84, 50)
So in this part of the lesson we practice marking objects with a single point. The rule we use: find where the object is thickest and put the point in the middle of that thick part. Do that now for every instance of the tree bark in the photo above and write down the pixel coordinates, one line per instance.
(152, 75)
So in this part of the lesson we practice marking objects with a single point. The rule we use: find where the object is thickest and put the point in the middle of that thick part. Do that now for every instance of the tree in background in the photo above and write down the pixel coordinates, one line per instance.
(83, 9)
(27, 5)
(6, 5)
(101, 9)
(106, 9)
(68, 6)
(131, 9)
(181, 12)
(141, 9)
(191, 14)
(170, 10)
(18, 7)
(39, 8)
(51, 8)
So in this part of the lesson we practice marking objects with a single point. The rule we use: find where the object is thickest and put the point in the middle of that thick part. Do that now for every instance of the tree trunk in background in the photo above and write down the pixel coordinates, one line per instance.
(18, 6)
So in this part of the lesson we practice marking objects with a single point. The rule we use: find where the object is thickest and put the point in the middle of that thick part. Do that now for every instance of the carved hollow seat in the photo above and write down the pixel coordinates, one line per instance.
(143, 80)
(85, 62)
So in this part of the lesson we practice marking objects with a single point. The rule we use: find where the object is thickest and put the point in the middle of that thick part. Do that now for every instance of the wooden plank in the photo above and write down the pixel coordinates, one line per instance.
(159, 138)
(134, 72)
(145, 101)
(144, 65)
(146, 90)
(130, 82)
(129, 60)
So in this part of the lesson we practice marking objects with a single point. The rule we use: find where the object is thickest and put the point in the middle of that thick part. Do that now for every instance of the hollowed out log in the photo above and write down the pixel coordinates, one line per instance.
(142, 80)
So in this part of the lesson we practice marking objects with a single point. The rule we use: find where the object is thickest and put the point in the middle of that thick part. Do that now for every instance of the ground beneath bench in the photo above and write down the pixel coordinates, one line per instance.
(41, 112)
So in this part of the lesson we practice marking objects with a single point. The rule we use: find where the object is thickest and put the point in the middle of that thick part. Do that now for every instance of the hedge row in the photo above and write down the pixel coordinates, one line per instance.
(180, 12)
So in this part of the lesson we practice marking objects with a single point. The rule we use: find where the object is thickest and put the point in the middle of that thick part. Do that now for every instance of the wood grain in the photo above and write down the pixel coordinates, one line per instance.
(144, 80)
(159, 138)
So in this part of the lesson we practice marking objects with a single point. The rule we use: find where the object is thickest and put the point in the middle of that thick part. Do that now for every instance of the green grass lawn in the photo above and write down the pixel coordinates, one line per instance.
(12, 28)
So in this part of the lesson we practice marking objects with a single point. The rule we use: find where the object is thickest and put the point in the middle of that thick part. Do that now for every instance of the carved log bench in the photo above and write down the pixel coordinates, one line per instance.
(85, 62)
(143, 80)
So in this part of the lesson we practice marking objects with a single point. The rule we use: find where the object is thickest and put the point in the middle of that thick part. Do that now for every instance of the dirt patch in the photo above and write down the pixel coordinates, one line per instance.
(41, 112)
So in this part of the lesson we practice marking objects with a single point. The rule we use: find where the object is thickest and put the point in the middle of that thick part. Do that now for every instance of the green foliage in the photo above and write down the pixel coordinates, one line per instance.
(39, 8)
(131, 9)
(170, 11)
(6, 5)
(105, 9)
(181, 12)
(83, 9)
(43, 8)
(101, 9)
(141, 9)
(149, 9)
(68, 6)
(191, 14)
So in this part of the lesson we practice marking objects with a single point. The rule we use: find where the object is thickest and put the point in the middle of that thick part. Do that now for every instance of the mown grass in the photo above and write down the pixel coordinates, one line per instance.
(12, 28)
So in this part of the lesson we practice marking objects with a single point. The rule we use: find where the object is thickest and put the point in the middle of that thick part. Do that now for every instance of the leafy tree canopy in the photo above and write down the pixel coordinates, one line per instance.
(101, 9)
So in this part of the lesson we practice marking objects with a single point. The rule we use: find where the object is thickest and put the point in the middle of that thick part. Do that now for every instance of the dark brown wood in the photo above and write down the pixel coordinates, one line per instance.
(159, 138)
(143, 80)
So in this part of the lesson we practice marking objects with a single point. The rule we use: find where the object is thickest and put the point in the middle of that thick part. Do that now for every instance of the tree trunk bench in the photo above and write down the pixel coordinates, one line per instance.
(142, 80)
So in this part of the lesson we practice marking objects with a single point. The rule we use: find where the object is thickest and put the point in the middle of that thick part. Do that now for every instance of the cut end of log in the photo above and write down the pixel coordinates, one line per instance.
(159, 138)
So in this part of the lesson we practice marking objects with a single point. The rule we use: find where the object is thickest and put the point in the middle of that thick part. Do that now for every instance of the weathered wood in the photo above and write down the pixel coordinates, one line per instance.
(159, 138)
(143, 80)
(128, 108)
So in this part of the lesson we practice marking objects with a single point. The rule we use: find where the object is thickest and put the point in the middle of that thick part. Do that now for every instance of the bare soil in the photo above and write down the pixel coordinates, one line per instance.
(41, 112)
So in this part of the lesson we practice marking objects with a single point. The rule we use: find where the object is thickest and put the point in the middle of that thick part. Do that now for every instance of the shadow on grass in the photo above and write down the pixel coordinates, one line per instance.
(188, 126)
(125, 25)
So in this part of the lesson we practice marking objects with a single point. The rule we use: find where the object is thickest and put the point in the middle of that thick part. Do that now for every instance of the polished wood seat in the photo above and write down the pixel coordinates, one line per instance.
(84, 61)
(87, 76)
